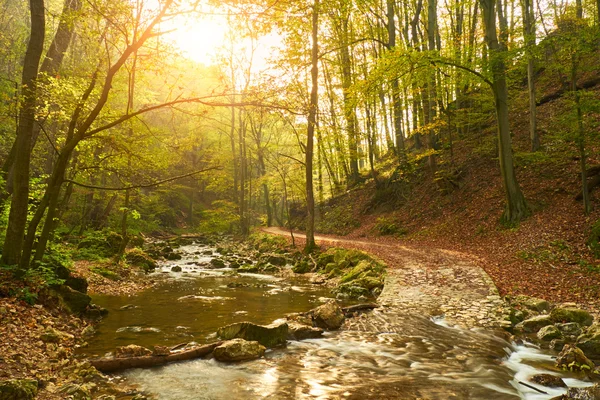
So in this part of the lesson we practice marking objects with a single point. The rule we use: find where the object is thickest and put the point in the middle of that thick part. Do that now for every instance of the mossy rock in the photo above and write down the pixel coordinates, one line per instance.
(140, 259)
(358, 271)
(277, 260)
(18, 389)
(533, 303)
(105, 272)
(271, 269)
(534, 324)
(274, 335)
(571, 314)
(368, 282)
(103, 246)
(325, 259)
(249, 268)
(548, 333)
(302, 267)
(217, 263)
(351, 291)
(335, 273)
(72, 300)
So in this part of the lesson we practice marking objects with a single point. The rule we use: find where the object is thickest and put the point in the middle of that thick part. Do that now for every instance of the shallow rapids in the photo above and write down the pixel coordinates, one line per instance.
(380, 355)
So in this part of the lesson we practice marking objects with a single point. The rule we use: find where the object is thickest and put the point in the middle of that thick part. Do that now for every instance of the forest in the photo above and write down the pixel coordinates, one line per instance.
(468, 130)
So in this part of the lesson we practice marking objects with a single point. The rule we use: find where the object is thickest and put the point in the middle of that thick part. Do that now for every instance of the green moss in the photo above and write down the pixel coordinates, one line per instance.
(139, 258)
(106, 273)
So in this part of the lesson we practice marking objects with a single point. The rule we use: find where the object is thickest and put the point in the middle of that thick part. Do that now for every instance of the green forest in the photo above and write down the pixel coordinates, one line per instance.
(382, 149)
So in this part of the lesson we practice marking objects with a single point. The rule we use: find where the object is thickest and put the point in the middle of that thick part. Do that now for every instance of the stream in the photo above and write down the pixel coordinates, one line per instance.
(380, 355)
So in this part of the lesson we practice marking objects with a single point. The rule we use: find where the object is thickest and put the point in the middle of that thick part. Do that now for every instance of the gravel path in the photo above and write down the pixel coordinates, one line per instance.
(429, 282)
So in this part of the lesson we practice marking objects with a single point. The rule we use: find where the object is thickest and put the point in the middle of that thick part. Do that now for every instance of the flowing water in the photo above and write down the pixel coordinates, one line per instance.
(381, 355)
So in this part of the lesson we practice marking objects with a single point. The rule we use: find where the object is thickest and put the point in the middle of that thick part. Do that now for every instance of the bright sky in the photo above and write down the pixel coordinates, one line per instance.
(203, 37)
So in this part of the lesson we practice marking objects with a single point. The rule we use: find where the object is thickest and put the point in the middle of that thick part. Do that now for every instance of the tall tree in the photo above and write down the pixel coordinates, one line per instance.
(17, 220)
(310, 131)
(516, 207)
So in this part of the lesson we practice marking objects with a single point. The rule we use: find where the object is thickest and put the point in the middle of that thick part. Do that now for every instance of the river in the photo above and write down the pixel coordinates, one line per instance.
(385, 354)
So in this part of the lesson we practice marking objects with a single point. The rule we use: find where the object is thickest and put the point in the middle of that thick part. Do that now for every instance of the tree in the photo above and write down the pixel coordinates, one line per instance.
(516, 207)
(17, 220)
(310, 131)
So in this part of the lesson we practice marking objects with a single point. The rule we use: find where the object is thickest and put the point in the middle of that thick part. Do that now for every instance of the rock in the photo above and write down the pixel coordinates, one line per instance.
(273, 335)
(89, 331)
(572, 358)
(325, 259)
(280, 261)
(52, 335)
(239, 350)
(571, 314)
(360, 270)
(248, 268)
(534, 324)
(570, 328)
(271, 269)
(75, 391)
(298, 331)
(533, 303)
(588, 393)
(351, 291)
(94, 311)
(77, 283)
(548, 380)
(133, 350)
(139, 258)
(18, 389)
(207, 252)
(557, 344)
(161, 351)
(328, 316)
(217, 263)
(172, 256)
(176, 268)
(302, 267)
(516, 316)
(72, 300)
(589, 342)
(549, 332)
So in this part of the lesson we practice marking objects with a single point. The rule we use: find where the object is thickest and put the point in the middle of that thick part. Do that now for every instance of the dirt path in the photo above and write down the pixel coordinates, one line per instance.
(427, 281)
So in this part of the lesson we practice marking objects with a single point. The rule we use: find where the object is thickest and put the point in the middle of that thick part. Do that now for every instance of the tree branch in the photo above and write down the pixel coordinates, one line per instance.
(141, 186)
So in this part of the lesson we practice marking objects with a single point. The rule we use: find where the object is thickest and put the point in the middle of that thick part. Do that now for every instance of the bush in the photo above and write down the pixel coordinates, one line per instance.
(338, 220)
(98, 245)
(385, 226)
(221, 218)
(105, 272)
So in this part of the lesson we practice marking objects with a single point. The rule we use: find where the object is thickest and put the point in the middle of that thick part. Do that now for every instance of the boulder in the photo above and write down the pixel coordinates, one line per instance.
(534, 324)
(52, 335)
(70, 299)
(328, 316)
(176, 268)
(533, 303)
(217, 263)
(548, 333)
(548, 380)
(571, 314)
(18, 389)
(298, 331)
(133, 350)
(77, 283)
(239, 350)
(273, 335)
(74, 391)
(248, 268)
(351, 291)
(572, 358)
(570, 329)
(277, 260)
(589, 342)
(302, 267)
(588, 393)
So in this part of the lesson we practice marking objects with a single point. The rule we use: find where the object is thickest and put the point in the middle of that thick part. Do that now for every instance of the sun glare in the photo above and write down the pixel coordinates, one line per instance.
(200, 38)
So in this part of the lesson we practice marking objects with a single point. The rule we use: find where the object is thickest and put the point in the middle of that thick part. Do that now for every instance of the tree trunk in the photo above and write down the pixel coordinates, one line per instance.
(516, 208)
(17, 220)
(312, 122)
(396, 100)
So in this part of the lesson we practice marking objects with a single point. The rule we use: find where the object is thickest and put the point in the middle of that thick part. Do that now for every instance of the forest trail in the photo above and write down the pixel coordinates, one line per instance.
(428, 281)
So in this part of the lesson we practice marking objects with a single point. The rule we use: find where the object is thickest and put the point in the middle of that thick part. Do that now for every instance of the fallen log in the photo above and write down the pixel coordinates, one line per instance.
(350, 310)
(120, 364)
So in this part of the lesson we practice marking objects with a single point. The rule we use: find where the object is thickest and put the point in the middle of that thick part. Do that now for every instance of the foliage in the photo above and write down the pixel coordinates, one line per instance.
(337, 219)
(386, 226)
(265, 243)
(97, 245)
(221, 218)
(139, 258)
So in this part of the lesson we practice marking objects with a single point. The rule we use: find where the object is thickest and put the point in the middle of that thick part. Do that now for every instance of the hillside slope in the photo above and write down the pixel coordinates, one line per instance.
(547, 255)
